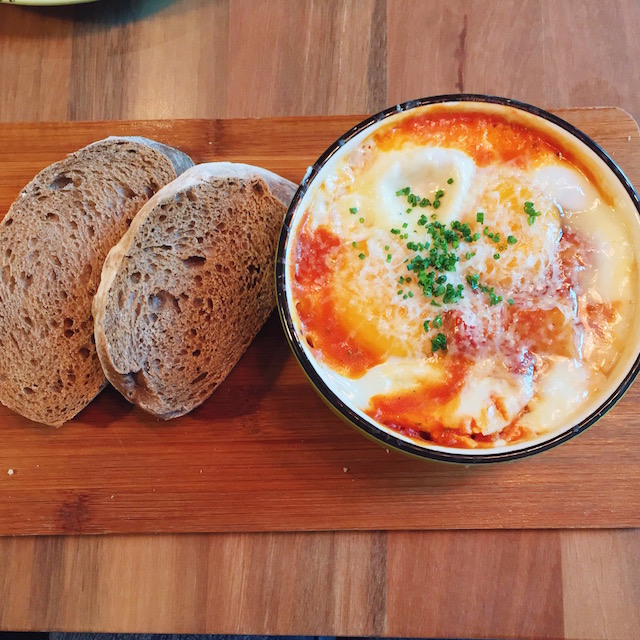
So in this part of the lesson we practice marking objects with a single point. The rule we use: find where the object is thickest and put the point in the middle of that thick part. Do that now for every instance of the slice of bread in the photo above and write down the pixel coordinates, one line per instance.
(190, 285)
(53, 241)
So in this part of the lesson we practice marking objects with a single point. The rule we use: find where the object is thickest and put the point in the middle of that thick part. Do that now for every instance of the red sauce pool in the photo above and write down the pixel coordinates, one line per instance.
(322, 325)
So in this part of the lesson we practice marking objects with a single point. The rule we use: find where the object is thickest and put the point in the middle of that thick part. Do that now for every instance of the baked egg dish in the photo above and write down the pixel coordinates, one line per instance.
(463, 275)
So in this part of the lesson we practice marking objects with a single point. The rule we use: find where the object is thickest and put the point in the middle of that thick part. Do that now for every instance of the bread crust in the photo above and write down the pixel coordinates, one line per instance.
(189, 285)
(53, 241)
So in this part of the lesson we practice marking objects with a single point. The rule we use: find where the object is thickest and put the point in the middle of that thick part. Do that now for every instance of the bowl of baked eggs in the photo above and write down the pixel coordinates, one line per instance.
(458, 278)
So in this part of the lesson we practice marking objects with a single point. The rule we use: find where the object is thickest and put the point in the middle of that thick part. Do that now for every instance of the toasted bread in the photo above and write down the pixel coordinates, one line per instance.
(53, 241)
(190, 285)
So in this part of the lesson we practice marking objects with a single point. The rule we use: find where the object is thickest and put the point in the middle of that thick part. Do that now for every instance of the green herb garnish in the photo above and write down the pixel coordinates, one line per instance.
(439, 343)
(530, 210)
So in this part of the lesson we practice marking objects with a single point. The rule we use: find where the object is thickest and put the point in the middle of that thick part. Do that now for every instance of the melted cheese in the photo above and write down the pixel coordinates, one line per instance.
(544, 320)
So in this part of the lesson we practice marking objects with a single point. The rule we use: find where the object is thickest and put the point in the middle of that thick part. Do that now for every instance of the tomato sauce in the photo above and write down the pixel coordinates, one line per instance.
(485, 137)
(411, 411)
(316, 257)
(461, 336)
(543, 331)
(601, 317)
(510, 434)
(324, 329)
(415, 413)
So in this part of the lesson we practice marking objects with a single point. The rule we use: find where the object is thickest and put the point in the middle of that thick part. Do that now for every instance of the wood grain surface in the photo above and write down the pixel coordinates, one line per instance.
(264, 453)
(145, 59)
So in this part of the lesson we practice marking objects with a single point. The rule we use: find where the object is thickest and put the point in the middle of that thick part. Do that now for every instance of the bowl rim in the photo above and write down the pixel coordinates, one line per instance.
(330, 397)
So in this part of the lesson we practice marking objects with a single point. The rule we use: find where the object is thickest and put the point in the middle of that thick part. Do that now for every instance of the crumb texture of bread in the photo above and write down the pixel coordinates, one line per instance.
(53, 242)
(190, 285)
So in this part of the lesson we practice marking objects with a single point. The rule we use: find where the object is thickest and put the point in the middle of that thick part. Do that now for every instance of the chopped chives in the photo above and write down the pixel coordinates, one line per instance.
(439, 342)
(530, 210)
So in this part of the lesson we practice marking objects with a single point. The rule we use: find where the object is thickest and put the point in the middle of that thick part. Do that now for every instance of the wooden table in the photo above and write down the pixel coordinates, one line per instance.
(245, 58)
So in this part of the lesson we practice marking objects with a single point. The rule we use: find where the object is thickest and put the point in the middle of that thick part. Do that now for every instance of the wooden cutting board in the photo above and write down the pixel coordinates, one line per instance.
(264, 453)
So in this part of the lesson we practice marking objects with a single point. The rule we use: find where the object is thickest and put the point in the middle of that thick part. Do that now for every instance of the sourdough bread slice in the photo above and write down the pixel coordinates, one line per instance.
(190, 285)
(53, 241)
